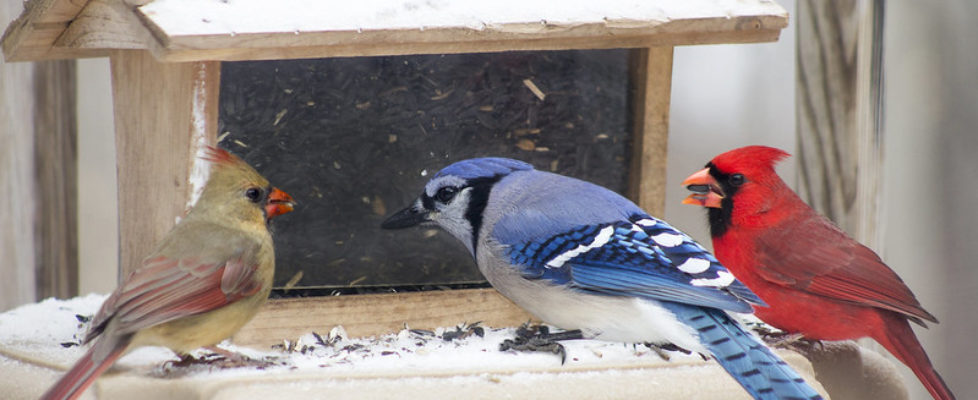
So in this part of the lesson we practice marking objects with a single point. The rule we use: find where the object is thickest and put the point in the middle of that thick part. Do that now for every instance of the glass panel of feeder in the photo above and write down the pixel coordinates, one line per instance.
(355, 139)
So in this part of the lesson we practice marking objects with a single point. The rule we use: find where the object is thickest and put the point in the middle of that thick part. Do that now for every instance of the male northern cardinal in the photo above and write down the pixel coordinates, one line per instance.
(817, 280)
(202, 282)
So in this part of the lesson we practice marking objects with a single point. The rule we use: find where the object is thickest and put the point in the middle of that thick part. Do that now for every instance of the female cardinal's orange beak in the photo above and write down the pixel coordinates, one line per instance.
(706, 191)
(278, 203)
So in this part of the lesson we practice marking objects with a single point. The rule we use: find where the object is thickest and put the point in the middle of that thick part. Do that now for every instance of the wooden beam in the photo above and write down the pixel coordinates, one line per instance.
(163, 114)
(378, 314)
(38, 26)
(840, 146)
(56, 171)
(180, 32)
(650, 71)
(105, 24)
(181, 26)
(377, 47)
(59, 29)
(18, 190)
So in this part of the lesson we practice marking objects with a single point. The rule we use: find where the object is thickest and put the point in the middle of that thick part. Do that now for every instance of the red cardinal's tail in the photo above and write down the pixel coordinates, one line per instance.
(85, 370)
(898, 338)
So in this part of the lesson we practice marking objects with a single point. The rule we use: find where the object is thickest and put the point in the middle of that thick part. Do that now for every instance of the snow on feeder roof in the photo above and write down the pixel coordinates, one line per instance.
(193, 30)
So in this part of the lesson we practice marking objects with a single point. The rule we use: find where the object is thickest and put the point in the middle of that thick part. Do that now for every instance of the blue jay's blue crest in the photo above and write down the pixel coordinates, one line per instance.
(483, 168)
(641, 257)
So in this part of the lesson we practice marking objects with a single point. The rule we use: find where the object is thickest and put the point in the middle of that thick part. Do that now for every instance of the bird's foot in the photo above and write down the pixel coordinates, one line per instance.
(185, 360)
(790, 340)
(661, 349)
(220, 358)
(539, 338)
(765, 331)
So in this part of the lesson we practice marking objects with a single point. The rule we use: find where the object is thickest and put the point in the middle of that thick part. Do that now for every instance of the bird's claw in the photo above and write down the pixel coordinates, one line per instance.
(661, 349)
(184, 361)
(790, 340)
(539, 338)
(217, 357)
(534, 344)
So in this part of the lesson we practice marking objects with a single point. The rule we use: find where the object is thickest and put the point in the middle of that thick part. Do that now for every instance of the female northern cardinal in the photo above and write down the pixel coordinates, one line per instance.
(817, 280)
(202, 282)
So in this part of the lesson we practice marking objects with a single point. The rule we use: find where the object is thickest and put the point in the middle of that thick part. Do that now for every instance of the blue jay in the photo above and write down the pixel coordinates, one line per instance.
(579, 256)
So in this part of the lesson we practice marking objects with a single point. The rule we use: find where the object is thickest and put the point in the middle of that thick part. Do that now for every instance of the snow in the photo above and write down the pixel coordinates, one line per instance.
(200, 169)
(40, 328)
(38, 331)
(204, 17)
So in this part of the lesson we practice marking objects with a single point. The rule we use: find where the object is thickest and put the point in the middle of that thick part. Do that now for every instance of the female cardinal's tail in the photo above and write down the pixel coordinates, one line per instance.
(898, 338)
(86, 369)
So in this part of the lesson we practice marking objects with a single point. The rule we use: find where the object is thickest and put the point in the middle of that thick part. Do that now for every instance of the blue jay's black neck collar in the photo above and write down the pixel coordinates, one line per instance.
(478, 199)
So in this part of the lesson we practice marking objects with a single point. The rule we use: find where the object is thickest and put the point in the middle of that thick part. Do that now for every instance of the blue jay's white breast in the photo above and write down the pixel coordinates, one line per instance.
(612, 318)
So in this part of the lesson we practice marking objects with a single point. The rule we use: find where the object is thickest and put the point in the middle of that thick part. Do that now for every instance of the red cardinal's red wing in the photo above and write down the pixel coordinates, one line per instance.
(821, 259)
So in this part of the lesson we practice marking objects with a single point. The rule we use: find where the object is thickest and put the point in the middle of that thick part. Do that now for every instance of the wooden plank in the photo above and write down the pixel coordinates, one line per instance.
(18, 196)
(215, 24)
(163, 114)
(377, 314)
(191, 31)
(105, 24)
(839, 87)
(377, 47)
(650, 70)
(55, 166)
(179, 39)
(38, 26)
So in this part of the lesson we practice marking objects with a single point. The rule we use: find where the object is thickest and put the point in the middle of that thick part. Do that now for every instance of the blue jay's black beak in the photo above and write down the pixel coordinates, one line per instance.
(406, 218)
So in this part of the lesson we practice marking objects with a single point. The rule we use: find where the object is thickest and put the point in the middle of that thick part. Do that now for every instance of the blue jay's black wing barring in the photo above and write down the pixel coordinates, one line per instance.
(405, 218)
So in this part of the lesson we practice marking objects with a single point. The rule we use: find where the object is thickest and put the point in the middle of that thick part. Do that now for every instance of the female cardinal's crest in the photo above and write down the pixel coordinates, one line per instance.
(220, 156)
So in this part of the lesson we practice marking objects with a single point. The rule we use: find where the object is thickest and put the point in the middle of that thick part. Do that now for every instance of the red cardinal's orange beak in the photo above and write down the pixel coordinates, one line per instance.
(706, 191)
(278, 203)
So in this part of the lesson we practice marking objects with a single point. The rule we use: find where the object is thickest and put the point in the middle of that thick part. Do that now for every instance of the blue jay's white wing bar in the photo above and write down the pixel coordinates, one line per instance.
(600, 240)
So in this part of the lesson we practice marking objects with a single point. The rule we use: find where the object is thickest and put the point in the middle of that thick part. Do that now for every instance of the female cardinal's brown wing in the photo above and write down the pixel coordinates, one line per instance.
(186, 276)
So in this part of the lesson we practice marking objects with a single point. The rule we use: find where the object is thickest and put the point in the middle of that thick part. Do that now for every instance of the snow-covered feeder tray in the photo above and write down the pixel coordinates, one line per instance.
(39, 341)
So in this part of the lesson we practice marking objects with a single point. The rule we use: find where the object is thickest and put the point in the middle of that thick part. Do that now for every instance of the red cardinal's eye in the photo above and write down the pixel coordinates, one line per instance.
(737, 179)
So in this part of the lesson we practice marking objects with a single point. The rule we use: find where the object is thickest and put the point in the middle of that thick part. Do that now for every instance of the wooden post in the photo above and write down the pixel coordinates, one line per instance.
(55, 168)
(650, 71)
(17, 183)
(839, 101)
(164, 112)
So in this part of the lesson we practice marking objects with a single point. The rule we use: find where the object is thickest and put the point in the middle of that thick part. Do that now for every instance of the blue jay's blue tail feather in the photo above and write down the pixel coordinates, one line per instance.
(762, 373)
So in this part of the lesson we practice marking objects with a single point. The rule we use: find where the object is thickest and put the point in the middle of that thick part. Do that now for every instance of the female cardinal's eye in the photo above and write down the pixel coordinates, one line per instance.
(737, 179)
(254, 194)
(446, 194)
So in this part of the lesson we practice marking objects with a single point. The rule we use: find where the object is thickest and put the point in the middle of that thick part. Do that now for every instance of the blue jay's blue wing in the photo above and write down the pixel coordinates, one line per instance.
(642, 257)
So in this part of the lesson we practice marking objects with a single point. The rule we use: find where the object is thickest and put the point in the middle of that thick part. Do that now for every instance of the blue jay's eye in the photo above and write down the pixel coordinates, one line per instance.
(254, 194)
(446, 194)
(737, 179)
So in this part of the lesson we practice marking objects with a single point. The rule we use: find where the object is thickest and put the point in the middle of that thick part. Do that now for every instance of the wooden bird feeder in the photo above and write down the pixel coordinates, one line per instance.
(166, 59)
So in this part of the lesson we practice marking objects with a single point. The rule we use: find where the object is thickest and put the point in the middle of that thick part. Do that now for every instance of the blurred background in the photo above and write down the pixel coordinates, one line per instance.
(728, 96)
